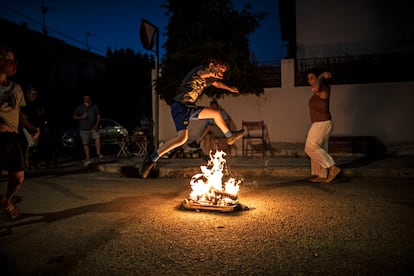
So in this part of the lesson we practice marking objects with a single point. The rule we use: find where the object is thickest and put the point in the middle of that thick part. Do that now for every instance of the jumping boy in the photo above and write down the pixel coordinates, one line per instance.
(184, 108)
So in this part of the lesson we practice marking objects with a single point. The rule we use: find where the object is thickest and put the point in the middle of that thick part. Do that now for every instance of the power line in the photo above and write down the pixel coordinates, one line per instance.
(46, 29)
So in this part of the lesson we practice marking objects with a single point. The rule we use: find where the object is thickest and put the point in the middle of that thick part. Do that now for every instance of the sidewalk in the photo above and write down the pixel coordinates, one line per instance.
(392, 167)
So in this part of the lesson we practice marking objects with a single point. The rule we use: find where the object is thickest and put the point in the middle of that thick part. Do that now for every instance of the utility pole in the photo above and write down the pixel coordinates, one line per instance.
(88, 34)
(44, 11)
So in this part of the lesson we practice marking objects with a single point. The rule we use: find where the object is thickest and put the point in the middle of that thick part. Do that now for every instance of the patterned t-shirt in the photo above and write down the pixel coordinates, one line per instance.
(193, 86)
(11, 100)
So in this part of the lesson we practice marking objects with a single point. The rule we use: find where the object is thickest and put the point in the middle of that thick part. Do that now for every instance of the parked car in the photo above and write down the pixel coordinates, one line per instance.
(109, 130)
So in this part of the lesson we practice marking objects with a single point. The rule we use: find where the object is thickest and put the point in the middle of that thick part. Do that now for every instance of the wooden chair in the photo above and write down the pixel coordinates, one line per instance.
(256, 140)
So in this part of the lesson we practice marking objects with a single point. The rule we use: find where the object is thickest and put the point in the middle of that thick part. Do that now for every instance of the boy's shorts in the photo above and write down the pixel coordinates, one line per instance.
(182, 114)
(11, 154)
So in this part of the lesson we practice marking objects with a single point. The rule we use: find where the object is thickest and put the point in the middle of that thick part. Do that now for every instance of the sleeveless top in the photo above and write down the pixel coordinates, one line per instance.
(319, 108)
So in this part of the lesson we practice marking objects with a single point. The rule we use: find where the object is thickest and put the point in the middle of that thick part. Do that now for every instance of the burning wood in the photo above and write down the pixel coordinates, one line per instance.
(223, 193)
(209, 192)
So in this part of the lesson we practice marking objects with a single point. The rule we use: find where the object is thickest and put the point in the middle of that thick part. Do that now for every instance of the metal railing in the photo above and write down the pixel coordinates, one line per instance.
(390, 67)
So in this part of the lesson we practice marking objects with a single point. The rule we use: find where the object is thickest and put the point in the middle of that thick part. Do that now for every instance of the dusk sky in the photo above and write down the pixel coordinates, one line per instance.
(115, 24)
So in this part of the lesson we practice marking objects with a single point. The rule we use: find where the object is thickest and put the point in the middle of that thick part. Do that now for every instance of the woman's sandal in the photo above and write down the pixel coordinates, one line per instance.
(12, 215)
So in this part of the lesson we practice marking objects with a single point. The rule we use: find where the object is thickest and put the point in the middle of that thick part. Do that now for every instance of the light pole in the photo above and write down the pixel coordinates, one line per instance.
(147, 33)
(45, 9)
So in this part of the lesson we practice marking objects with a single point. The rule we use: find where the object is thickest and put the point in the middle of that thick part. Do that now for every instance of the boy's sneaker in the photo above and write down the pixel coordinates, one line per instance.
(100, 156)
(235, 136)
(147, 166)
(194, 144)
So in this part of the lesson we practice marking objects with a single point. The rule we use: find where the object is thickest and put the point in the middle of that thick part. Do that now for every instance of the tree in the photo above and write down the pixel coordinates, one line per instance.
(212, 28)
(125, 87)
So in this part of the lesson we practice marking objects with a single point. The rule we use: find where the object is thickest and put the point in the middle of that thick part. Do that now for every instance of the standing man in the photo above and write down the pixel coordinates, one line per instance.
(89, 116)
(11, 153)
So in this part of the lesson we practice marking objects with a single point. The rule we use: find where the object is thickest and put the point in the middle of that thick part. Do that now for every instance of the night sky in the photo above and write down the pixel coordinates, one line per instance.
(97, 25)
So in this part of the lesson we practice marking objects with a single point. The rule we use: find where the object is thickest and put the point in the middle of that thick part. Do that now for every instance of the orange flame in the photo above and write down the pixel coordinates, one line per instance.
(208, 187)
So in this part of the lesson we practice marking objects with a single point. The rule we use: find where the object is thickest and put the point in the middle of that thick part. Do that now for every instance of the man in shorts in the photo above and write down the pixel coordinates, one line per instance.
(89, 116)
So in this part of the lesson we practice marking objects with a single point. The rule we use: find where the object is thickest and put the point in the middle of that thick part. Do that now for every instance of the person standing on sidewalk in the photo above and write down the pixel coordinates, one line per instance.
(184, 108)
(89, 116)
(323, 168)
(35, 114)
(11, 153)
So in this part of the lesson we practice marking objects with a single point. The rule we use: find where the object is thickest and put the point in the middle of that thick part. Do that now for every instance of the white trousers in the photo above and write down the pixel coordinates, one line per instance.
(316, 147)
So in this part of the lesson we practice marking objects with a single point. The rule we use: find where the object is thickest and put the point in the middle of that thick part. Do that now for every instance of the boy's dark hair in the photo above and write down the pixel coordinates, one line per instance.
(217, 61)
(315, 71)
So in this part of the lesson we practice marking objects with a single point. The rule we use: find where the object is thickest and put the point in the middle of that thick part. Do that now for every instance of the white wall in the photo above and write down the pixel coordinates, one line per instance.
(327, 28)
(384, 110)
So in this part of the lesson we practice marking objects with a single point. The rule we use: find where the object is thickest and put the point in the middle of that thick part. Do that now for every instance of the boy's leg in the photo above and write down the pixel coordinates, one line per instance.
(209, 113)
(151, 159)
(232, 137)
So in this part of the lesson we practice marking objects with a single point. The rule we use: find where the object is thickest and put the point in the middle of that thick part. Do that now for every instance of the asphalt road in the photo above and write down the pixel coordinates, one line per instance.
(91, 223)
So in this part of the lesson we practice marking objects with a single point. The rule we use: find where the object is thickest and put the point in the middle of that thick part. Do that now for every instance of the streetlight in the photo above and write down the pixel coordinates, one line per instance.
(147, 33)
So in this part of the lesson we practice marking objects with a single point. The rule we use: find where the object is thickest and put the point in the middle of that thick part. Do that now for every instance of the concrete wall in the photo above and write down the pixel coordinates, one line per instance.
(327, 28)
(383, 110)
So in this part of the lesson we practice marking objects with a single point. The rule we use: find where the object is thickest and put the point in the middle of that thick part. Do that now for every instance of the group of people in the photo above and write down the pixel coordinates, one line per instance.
(12, 101)
(183, 109)
(20, 112)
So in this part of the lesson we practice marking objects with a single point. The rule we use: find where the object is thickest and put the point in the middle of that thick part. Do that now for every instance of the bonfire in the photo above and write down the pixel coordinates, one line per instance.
(214, 188)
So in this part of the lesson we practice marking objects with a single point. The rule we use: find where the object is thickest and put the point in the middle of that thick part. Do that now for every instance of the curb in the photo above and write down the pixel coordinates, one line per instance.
(129, 170)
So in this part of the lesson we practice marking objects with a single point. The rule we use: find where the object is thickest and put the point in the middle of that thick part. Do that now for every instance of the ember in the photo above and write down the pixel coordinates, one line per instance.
(209, 190)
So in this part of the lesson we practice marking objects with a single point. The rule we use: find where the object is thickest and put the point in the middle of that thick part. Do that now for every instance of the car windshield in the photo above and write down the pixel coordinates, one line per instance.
(106, 123)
